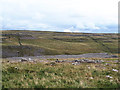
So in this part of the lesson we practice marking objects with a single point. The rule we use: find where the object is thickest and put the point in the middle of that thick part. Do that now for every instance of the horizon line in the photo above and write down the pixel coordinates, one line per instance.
(58, 31)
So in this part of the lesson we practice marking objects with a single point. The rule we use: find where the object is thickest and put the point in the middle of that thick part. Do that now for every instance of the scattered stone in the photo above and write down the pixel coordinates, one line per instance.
(29, 59)
(99, 61)
(76, 63)
(91, 77)
(90, 61)
(115, 70)
(87, 61)
(107, 64)
(58, 61)
(109, 76)
(16, 67)
(63, 60)
(24, 59)
(88, 67)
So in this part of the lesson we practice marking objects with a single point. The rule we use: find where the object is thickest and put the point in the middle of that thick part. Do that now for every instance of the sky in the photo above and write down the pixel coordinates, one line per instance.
(91, 16)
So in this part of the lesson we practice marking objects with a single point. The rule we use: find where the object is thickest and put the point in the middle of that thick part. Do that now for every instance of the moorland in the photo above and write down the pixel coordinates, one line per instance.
(30, 70)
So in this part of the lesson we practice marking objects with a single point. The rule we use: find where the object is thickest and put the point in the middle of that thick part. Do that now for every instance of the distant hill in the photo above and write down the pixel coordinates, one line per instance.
(35, 43)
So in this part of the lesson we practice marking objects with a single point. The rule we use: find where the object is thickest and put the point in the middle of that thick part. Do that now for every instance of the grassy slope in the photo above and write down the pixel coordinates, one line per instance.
(64, 43)
(65, 75)
(61, 75)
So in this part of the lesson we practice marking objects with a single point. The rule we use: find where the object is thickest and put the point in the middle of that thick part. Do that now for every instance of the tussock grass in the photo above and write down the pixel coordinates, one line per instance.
(59, 75)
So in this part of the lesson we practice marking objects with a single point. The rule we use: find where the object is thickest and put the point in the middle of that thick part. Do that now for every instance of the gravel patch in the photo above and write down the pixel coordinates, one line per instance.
(89, 55)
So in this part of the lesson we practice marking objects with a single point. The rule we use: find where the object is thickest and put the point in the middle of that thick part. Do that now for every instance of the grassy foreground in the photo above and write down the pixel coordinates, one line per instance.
(60, 75)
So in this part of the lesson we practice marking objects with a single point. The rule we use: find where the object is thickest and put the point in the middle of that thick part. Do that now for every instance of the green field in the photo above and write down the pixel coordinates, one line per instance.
(60, 75)
(35, 43)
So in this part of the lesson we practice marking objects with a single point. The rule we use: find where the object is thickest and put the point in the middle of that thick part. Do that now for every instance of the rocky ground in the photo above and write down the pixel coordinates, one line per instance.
(89, 55)
(73, 59)
(93, 70)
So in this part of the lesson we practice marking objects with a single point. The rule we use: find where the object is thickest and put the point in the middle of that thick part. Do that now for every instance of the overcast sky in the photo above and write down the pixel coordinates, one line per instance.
(60, 15)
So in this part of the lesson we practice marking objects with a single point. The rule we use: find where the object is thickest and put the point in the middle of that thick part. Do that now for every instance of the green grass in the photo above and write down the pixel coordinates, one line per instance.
(60, 75)
(55, 43)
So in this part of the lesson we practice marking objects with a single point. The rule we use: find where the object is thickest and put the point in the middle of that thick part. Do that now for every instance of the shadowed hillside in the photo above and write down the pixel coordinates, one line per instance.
(34, 43)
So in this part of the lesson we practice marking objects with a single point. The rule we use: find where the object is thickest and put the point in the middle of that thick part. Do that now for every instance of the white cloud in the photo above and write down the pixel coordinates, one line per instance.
(38, 16)
(92, 26)
(67, 30)
(57, 14)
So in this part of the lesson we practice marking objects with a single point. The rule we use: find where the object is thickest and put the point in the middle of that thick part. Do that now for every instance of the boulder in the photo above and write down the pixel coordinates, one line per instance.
(87, 61)
(76, 63)
(24, 60)
(58, 61)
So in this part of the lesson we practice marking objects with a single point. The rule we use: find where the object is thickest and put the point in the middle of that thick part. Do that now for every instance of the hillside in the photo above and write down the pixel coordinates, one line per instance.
(60, 60)
(36, 43)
